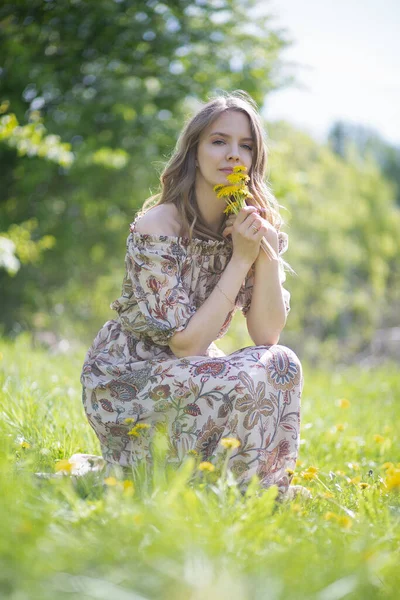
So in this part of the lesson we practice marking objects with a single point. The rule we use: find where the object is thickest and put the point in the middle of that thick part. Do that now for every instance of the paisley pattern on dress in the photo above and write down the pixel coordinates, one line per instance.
(130, 375)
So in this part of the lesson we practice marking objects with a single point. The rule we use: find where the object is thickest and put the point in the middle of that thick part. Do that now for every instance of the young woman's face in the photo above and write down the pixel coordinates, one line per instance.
(225, 143)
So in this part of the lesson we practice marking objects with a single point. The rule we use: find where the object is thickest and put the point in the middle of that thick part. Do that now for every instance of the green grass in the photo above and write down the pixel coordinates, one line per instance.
(183, 538)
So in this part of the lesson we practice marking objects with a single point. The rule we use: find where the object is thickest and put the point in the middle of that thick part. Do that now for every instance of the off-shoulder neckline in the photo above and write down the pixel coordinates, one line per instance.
(192, 243)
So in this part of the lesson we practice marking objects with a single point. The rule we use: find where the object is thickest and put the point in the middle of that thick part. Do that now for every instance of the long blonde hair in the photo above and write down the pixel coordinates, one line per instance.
(178, 177)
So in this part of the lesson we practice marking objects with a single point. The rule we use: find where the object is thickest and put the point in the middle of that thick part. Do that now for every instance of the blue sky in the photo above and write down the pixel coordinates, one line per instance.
(348, 64)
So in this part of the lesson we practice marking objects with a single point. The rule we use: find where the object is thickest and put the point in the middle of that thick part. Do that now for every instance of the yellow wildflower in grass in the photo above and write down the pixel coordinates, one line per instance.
(312, 469)
(364, 485)
(63, 465)
(289, 472)
(327, 495)
(354, 480)
(387, 465)
(140, 427)
(25, 445)
(296, 480)
(310, 473)
(206, 466)
(308, 476)
(345, 522)
(110, 481)
(192, 453)
(129, 420)
(128, 487)
(330, 516)
(393, 480)
(343, 403)
(340, 426)
(229, 443)
(379, 439)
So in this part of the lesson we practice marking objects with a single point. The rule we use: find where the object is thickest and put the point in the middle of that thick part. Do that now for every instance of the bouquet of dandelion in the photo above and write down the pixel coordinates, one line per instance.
(235, 194)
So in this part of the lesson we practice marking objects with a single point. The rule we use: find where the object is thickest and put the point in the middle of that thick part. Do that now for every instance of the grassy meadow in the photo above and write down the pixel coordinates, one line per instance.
(188, 535)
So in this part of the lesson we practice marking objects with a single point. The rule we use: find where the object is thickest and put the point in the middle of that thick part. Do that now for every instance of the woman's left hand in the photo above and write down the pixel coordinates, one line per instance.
(271, 236)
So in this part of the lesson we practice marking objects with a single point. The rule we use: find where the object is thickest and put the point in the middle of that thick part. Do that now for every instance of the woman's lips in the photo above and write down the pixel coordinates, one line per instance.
(227, 170)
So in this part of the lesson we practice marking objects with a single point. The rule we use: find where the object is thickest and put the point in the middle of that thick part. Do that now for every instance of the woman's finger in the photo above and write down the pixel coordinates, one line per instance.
(227, 231)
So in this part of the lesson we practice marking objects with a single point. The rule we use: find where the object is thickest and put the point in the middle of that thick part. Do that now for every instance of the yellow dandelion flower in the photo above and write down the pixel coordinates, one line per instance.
(289, 472)
(192, 453)
(129, 420)
(25, 445)
(134, 432)
(63, 465)
(142, 426)
(237, 177)
(110, 481)
(128, 487)
(393, 481)
(340, 426)
(387, 465)
(308, 476)
(343, 403)
(354, 480)
(330, 516)
(228, 190)
(206, 466)
(345, 522)
(327, 495)
(312, 469)
(363, 485)
(230, 443)
(379, 439)
(239, 169)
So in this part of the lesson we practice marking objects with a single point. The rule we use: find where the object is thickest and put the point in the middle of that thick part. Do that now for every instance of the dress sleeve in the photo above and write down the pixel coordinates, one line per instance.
(246, 292)
(156, 270)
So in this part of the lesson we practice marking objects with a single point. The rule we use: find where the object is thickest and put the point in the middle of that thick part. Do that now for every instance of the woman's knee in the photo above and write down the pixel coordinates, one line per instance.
(291, 355)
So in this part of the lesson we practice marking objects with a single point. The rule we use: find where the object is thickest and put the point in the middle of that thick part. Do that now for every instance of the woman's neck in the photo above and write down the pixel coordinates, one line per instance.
(210, 207)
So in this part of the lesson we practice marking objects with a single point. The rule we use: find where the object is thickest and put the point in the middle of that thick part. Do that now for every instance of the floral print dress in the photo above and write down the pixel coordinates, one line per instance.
(133, 383)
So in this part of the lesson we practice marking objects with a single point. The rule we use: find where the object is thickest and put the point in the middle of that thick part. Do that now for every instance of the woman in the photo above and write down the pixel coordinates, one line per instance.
(188, 269)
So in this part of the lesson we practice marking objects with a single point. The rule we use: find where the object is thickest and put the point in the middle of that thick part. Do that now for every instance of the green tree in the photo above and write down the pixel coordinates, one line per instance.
(115, 80)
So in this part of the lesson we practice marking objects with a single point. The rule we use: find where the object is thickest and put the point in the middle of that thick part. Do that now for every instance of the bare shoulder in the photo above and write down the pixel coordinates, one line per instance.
(162, 219)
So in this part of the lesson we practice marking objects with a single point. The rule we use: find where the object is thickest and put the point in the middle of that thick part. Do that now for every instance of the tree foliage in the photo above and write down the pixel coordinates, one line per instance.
(115, 81)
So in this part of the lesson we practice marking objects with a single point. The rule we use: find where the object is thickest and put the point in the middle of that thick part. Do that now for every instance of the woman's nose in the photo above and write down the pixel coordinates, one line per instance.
(233, 154)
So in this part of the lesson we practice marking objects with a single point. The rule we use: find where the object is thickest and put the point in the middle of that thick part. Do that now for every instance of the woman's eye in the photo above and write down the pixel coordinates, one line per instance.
(222, 142)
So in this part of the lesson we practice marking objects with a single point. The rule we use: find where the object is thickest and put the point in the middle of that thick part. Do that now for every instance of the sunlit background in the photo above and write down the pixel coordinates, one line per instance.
(346, 56)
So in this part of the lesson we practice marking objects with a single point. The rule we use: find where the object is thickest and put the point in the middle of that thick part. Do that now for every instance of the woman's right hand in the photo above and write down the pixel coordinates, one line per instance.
(246, 241)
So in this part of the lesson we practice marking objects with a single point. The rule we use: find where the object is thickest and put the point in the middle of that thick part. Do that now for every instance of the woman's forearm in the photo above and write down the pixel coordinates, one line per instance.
(267, 314)
(206, 323)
